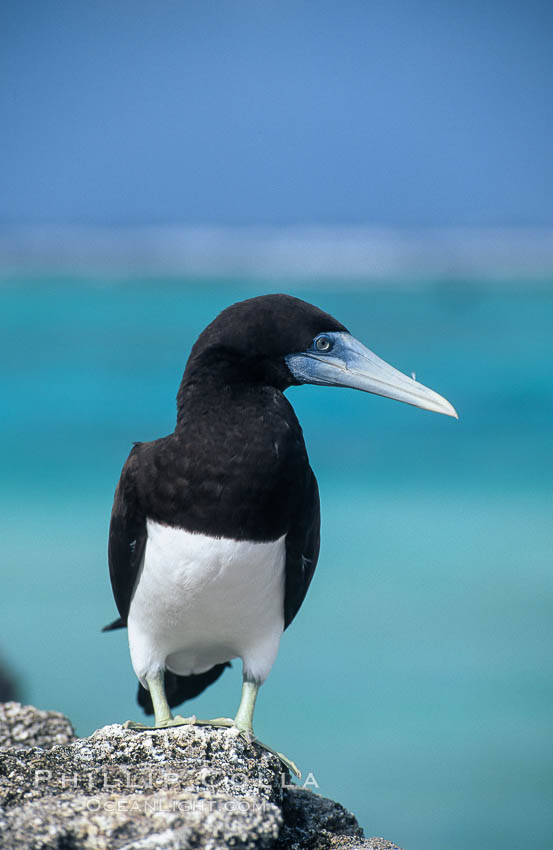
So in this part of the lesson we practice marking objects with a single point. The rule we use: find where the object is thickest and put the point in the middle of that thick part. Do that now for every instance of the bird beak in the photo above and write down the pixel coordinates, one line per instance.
(349, 364)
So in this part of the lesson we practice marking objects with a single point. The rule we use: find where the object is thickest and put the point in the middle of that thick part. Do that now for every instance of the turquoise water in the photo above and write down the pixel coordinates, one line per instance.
(416, 684)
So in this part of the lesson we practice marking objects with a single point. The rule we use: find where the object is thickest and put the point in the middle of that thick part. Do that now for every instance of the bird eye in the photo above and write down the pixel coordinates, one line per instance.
(323, 343)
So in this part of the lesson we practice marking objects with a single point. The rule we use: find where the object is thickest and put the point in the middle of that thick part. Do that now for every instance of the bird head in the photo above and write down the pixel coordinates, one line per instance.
(283, 341)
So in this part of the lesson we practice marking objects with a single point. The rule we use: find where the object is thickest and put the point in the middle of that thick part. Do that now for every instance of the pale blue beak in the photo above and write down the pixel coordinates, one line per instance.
(347, 363)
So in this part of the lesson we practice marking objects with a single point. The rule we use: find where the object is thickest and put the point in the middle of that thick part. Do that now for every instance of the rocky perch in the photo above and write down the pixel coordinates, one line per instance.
(176, 789)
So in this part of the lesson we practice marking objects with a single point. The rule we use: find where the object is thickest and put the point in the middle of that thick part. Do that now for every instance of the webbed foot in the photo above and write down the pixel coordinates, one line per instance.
(217, 721)
(284, 760)
(247, 733)
(163, 724)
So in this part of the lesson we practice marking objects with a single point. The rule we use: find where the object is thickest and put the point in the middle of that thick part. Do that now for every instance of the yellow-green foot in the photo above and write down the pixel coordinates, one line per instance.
(217, 721)
(164, 724)
(181, 721)
(284, 760)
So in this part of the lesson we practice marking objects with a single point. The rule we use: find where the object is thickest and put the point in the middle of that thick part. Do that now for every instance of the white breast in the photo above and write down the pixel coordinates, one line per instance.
(200, 600)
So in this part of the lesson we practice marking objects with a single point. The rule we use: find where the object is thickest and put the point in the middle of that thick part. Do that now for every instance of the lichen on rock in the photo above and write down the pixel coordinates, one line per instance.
(172, 789)
(27, 726)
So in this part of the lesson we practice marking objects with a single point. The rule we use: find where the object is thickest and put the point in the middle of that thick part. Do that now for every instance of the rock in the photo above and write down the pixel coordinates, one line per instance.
(142, 822)
(27, 726)
(316, 823)
(174, 789)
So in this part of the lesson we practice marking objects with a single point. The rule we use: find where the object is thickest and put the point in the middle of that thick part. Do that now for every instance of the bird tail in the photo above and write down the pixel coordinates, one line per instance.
(117, 624)
(180, 688)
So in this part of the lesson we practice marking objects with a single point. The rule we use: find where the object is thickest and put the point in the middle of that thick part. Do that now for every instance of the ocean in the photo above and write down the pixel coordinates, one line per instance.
(415, 685)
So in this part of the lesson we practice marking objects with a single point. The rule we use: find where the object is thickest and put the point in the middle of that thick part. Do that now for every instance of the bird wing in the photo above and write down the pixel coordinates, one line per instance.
(127, 539)
(302, 549)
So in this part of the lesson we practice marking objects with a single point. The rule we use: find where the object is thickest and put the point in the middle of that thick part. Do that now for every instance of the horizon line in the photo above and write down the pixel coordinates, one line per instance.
(306, 251)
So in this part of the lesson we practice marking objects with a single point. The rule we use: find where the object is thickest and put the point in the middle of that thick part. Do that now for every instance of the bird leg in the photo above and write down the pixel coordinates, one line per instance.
(244, 716)
(244, 723)
(162, 712)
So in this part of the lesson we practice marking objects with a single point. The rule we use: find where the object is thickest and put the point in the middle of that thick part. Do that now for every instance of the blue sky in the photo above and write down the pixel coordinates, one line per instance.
(392, 113)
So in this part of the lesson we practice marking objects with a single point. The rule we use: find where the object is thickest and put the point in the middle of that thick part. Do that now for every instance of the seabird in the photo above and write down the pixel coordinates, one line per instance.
(214, 533)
